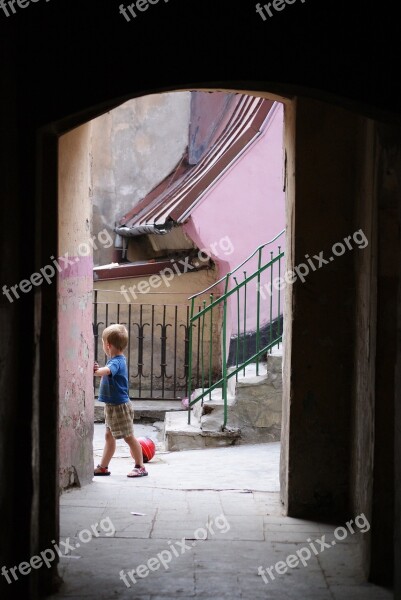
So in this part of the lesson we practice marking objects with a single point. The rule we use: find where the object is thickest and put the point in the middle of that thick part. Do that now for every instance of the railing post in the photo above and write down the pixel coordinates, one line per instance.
(244, 344)
(129, 347)
(279, 291)
(186, 352)
(202, 349)
(238, 329)
(258, 309)
(175, 350)
(152, 345)
(96, 336)
(190, 360)
(271, 298)
(211, 347)
(224, 352)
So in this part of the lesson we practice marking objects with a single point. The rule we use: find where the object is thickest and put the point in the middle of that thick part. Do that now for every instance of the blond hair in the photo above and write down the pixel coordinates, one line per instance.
(116, 335)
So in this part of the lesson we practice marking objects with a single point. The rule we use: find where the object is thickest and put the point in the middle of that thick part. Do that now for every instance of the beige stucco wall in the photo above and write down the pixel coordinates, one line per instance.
(75, 284)
(173, 295)
(134, 147)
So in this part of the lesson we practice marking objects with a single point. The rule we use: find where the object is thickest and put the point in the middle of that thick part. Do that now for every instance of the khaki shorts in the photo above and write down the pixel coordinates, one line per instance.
(119, 419)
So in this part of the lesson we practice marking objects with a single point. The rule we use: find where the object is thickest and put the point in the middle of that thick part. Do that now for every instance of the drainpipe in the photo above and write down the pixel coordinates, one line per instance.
(144, 229)
(121, 243)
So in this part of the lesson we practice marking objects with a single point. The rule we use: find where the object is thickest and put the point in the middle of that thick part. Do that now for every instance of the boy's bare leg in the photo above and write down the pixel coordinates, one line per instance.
(135, 449)
(109, 448)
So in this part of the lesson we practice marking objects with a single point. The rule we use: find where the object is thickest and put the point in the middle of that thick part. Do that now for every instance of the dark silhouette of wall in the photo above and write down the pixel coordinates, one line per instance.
(65, 62)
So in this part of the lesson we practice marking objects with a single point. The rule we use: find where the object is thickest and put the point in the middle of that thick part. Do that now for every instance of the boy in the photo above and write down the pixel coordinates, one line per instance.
(118, 411)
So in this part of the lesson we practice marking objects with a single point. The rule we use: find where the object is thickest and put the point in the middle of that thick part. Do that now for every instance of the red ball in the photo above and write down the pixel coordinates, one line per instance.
(148, 448)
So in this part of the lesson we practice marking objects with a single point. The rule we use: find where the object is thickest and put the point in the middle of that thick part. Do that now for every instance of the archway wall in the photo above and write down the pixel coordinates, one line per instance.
(319, 362)
(385, 500)
(365, 332)
(337, 458)
(75, 309)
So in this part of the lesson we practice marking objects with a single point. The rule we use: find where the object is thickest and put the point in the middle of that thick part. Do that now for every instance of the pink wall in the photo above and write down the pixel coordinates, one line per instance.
(245, 209)
(76, 360)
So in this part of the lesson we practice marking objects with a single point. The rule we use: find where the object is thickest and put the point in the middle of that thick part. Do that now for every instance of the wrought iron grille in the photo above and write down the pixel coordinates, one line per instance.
(158, 347)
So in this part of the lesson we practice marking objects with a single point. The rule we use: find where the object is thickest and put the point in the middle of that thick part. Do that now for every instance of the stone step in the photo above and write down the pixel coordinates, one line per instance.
(254, 404)
(146, 411)
(179, 435)
(210, 402)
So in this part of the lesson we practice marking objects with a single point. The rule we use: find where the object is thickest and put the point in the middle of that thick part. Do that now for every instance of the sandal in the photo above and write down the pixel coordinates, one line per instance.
(101, 470)
(138, 472)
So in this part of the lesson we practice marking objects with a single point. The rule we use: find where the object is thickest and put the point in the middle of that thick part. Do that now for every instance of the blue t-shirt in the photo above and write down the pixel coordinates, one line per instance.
(114, 387)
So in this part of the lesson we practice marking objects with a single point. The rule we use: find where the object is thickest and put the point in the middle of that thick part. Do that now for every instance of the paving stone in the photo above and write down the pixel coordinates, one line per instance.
(311, 530)
(159, 597)
(360, 592)
(190, 529)
(170, 584)
(181, 495)
(238, 504)
(278, 590)
(289, 536)
(223, 585)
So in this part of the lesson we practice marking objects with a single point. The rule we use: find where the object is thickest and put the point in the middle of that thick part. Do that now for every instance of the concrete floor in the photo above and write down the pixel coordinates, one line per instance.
(235, 491)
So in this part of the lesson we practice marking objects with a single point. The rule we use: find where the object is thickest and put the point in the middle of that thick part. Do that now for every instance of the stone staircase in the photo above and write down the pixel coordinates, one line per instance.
(254, 412)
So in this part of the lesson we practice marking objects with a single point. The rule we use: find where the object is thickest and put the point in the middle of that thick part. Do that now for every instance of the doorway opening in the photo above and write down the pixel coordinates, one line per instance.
(173, 196)
(327, 443)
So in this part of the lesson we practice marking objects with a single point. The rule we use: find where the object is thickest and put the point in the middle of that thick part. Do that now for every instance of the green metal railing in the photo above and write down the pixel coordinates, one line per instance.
(258, 324)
